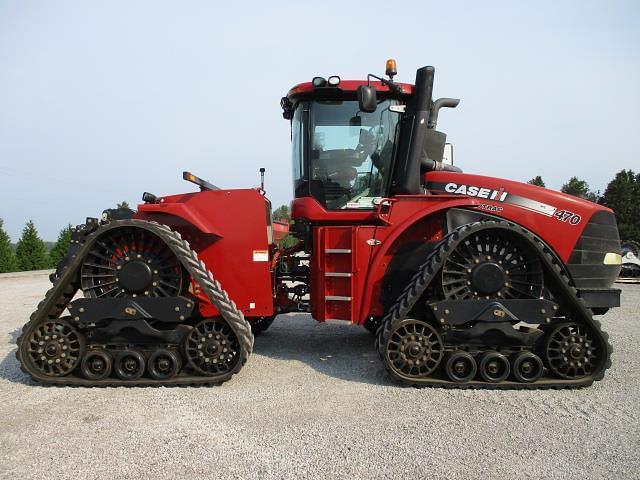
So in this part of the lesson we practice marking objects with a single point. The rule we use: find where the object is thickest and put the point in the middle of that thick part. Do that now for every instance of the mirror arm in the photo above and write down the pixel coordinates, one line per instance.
(394, 87)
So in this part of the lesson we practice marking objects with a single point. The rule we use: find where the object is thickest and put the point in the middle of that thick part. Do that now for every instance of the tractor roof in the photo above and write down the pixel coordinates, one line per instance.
(345, 86)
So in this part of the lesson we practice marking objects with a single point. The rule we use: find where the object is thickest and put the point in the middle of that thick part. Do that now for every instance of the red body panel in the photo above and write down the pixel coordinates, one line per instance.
(411, 217)
(372, 238)
(365, 251)
(352, 249)
(230, 231)
(310, 208)
(557, 218)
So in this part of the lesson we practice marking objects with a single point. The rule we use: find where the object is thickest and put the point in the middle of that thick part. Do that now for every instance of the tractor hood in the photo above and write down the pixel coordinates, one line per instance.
(558, 218)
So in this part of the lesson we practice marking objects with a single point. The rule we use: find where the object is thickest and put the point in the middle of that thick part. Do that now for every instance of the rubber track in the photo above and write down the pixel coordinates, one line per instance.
(564, 293)
(65, 287)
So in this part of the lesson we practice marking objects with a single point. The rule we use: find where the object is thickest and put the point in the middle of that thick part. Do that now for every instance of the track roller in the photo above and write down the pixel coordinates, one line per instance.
(96, 365)
(460, 366)
(494, 367)
(129, 365)
(163, 364)
(527, 367)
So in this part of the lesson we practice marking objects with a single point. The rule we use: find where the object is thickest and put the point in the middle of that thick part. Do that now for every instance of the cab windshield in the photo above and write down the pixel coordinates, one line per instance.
(342, 156)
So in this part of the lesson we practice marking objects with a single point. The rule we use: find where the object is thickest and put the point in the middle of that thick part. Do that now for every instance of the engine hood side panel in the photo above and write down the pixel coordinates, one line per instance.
(559, 219)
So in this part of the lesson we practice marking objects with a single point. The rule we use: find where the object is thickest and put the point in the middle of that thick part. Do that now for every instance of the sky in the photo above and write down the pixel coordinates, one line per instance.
(101, 101)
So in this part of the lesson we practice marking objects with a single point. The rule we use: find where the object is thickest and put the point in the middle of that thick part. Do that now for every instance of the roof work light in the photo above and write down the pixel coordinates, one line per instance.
(318, 82)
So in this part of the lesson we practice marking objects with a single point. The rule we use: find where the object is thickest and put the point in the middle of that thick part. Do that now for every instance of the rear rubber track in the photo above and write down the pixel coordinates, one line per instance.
(564, 293)
(68, 283)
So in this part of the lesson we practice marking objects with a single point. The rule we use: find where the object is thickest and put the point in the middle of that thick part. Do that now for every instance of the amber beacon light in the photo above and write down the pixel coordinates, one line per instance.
(391, 69)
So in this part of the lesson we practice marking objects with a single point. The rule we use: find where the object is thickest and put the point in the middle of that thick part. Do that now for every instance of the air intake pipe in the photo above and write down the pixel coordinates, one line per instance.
(406, 178)
(437, 105)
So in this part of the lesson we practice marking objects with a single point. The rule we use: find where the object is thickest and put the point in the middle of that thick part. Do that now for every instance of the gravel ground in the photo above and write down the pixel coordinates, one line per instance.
(313, 402)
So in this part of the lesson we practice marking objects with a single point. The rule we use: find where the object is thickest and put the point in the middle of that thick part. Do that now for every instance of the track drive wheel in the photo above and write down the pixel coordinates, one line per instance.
(129, 262)
(492, 264)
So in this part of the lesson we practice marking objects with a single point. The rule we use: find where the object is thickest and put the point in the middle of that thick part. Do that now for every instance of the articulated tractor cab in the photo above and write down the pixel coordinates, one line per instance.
(464, 280)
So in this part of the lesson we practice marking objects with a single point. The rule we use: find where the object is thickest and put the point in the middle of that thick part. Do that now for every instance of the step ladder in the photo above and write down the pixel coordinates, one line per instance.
(338, 270)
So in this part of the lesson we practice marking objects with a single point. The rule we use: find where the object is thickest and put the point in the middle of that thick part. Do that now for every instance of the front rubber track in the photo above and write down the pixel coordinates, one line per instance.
(564, 293)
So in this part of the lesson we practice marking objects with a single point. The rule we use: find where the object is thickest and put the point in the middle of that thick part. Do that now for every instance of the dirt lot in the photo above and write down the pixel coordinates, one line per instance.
(314, 402)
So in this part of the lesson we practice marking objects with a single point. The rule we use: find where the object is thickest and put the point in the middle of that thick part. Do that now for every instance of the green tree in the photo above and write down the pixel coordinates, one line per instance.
(579, 188)
(281, 213)
(30, 250)
(61, 247)
(622, 195)
(123, 204)
(288, 241)
(8, 262)
(537, 180)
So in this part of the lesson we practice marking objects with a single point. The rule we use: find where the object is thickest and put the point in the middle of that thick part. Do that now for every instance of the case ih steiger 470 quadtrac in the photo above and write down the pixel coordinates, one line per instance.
(465, 280)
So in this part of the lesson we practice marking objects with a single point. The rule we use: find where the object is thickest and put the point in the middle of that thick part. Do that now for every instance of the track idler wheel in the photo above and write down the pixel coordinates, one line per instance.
(414, 349)
(96, 365)
(460, 367)
(129, 365)
(527, 367)
(163, 364)
(212, 347)
(571, 351)
(55, 348)
(494, 367)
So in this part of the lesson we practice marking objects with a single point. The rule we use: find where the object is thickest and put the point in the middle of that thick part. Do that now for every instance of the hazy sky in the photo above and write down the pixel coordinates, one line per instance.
(100, 101)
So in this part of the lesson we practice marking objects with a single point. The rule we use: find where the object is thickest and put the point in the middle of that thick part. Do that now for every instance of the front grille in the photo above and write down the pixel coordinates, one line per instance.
(586, 263)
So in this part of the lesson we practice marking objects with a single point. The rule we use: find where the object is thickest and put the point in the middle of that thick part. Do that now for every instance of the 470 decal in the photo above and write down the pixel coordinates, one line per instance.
(567, 216)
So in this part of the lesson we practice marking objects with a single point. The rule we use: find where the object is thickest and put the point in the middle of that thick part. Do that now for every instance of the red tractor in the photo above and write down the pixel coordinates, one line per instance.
(464, 280)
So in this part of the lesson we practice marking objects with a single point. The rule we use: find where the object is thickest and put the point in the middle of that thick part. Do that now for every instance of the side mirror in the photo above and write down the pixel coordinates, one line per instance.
(367, 99)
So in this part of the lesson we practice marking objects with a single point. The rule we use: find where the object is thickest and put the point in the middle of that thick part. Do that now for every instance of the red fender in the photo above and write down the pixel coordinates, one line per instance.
(406, 211)
(180, 210)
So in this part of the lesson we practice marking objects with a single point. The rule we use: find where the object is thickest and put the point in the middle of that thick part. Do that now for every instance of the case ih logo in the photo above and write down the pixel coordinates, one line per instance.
(473, 191)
